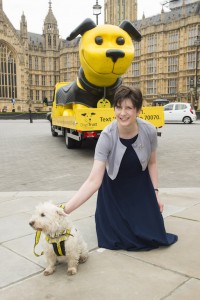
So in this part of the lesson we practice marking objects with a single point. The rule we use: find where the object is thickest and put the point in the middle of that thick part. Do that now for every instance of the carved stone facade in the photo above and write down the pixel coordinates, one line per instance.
(30, 63)
(115, 11)
(166, 63)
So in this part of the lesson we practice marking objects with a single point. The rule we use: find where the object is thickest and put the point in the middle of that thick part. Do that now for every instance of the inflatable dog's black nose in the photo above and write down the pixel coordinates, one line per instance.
(31, 223)
(115, 54)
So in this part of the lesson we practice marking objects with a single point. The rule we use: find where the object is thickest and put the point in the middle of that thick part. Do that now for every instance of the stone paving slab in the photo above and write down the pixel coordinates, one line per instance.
(15, 226)
(179, 263)
(87, 229)
(192, 213)
(19, 202)
(24, 247)
(106, 275)
(183, 256)
(182, 197)
(15, 268)
(189, 290)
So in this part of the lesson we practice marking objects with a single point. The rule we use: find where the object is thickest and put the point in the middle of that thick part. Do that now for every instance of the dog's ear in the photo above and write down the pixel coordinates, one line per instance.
(131, 30)
(86, 25)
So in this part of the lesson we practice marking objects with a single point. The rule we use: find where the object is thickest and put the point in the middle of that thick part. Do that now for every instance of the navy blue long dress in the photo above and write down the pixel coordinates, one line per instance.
(127, 214)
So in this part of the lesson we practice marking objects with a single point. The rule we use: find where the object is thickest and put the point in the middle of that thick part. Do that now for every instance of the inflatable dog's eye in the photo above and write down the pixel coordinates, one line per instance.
(120, 41)
(98, 40)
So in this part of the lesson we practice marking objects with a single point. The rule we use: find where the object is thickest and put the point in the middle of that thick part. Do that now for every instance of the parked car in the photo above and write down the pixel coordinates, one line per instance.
(179, 112)
(159, 102)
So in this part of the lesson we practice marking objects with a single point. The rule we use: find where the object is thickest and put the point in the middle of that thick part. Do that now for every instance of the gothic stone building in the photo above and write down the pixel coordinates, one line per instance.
(166, 63)
(31, 64)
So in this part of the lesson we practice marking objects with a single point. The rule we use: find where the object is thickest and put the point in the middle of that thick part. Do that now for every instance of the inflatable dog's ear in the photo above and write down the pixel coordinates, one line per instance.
(86, 25)
(131, 30)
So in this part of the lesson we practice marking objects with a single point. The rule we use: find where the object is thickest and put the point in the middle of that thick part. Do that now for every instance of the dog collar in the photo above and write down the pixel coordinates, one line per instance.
(96, 90)
(60, 237)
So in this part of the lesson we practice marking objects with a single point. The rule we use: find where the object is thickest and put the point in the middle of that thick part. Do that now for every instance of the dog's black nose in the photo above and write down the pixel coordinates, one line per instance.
(115, 54)
(31, 223)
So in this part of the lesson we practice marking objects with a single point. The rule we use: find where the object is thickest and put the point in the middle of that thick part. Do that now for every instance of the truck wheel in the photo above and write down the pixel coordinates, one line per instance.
(71, 143)
(53, 132)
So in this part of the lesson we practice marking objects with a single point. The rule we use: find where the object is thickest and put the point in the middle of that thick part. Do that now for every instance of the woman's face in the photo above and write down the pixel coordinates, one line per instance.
(126, 113)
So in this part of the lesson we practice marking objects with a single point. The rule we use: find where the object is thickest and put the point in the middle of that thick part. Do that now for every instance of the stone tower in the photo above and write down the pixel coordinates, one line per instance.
(50, 31)
(115, 11)
(23, 27)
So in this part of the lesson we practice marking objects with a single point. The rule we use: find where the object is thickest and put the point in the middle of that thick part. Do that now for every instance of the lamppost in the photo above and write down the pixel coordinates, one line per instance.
(192, 92)
(197, 79)
(96, 10)
(29, 102)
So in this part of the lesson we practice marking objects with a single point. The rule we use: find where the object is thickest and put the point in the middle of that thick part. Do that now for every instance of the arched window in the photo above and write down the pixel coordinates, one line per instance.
(54, 42)
(49, 41)
(8, 76)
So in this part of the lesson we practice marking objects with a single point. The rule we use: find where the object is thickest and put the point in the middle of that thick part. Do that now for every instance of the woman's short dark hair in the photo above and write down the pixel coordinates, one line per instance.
(126, 92)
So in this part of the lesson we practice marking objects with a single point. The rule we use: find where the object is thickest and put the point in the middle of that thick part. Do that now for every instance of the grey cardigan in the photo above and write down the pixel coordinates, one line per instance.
(111, 150)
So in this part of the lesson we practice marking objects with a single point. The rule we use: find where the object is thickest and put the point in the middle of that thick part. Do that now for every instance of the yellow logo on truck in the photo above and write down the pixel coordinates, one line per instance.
(103, 103)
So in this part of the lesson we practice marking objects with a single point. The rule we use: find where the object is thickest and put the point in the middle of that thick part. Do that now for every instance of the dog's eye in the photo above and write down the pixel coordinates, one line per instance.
(98, 40)
(42, 215)
(120, 41)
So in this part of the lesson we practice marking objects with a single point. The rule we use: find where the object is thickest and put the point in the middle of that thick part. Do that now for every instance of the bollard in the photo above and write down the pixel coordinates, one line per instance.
(30, 116)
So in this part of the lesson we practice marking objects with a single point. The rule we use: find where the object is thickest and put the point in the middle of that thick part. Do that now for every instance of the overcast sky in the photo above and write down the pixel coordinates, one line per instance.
(69, 13)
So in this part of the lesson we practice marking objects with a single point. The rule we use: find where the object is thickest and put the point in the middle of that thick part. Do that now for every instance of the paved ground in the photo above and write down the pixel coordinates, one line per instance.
(37, 167)
(33, 160)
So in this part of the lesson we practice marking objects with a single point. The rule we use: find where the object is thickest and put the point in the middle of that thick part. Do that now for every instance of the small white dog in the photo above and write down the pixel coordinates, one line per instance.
(63, 242)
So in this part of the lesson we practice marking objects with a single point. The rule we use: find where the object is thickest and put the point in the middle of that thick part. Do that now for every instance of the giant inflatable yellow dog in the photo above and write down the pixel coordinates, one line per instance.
(106, 52)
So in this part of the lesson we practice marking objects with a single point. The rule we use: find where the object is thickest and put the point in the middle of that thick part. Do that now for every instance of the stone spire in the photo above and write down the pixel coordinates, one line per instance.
(50, 19)
(183, 8)
(1, 15)
(50, 30)
(23, 26)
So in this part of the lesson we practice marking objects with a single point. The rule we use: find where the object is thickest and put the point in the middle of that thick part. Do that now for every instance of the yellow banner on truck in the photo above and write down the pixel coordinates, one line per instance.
(95, 119)
(154, 115)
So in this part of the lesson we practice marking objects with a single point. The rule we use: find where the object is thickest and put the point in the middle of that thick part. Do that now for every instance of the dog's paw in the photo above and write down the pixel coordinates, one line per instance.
(83, 259)
(72, 271)
(48, 271)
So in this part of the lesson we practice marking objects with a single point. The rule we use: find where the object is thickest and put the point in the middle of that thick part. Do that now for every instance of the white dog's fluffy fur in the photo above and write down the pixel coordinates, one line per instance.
(52, 220)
